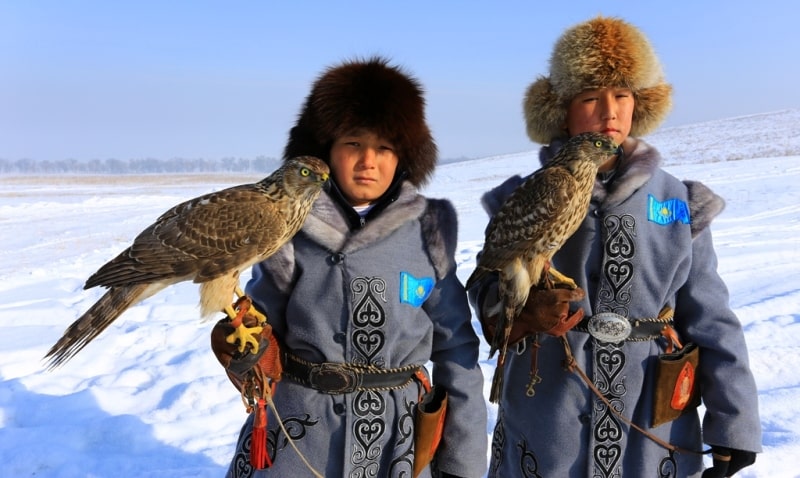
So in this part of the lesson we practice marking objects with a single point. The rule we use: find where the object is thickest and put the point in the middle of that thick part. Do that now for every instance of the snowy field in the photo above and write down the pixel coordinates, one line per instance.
(148, 399)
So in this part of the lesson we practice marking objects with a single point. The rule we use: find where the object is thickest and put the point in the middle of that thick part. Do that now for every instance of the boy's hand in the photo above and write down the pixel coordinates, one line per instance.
(728, 461)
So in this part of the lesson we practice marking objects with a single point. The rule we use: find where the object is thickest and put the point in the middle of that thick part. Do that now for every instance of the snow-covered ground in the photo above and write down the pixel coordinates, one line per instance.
(147, 397)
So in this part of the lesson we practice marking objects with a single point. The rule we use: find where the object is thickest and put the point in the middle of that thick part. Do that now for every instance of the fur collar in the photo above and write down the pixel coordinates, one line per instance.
(327, 225)
(704, 205)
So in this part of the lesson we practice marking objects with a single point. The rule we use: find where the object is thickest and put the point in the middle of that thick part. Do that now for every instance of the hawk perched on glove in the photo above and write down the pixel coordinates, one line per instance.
(208, 240)
(533, 224)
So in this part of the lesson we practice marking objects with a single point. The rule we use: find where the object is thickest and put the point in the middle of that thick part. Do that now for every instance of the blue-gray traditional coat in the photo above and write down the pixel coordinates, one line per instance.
(385, 295)
(644, 244)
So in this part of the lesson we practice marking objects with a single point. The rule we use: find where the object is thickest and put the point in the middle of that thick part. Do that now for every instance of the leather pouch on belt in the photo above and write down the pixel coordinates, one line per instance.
(676, 390)
(428, 427)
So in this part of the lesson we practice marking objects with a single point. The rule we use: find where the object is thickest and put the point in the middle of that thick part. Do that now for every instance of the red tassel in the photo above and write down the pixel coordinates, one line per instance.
(259, 458)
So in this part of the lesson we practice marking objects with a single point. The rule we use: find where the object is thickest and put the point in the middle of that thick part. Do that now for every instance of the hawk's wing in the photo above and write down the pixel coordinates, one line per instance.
(199, 239)
(533, 208)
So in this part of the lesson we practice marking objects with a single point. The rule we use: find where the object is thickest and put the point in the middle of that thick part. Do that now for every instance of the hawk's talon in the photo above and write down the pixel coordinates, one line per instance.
(553, 278)
(260, 318)
(243, 334)
(246, 335)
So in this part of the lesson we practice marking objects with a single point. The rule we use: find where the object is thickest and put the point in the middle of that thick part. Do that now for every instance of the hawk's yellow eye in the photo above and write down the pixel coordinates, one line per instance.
(598, 143)
(304, 172)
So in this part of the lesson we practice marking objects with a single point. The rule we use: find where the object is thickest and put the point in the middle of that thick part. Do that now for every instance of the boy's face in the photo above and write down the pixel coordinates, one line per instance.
(363, 166)
(605, 110)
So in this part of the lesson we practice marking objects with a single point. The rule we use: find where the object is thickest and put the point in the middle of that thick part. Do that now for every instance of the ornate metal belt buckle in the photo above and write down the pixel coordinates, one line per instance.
(332, 378)
(609, 327)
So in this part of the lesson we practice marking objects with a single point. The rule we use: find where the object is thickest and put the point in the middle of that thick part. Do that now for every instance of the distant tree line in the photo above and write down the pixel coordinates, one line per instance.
(260, 164)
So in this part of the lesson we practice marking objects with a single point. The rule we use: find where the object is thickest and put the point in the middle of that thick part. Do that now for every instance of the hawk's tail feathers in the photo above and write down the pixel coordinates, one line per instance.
(497, 379)
(500, 342)
(99, 316)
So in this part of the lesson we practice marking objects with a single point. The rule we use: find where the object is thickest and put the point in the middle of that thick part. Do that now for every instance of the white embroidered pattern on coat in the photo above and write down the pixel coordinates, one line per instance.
(369, 317)
(619, 233)
(498, 443)
(369, 407)
(609, 360)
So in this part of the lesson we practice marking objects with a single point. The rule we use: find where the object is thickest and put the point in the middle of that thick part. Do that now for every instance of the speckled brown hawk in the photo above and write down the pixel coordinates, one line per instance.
(208, 240)
(533, 223)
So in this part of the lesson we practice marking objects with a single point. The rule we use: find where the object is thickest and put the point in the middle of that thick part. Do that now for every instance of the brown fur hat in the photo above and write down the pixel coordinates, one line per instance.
(602, 52)
(367, 94)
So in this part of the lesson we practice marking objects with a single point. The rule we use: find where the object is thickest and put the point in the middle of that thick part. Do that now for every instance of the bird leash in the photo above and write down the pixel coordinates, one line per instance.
(572, 365)
(257, 392)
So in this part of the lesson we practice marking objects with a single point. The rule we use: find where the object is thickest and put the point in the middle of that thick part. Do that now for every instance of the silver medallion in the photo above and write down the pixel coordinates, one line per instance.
(609, 327)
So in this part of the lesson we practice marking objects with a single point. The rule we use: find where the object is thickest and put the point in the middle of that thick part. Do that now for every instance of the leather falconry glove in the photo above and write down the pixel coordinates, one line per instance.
(728, 461)
(253, 374)
(546, 310)
(239, 364)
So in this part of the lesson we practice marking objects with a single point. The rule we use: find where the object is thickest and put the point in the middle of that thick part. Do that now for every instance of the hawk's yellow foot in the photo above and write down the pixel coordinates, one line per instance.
(253, 312)
(245, 335)
(245, 303)
(555, 278)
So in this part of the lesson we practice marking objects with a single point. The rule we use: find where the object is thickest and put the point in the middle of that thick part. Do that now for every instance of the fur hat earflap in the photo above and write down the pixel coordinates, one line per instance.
(367, 94)
(602, 52)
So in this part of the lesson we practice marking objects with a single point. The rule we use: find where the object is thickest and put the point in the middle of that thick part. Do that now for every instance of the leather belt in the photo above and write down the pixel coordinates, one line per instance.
(613, 328)
(336, 378)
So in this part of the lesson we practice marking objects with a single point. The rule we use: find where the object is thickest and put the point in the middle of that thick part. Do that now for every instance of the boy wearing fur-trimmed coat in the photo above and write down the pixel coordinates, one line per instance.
(644, 247)
(366, 294)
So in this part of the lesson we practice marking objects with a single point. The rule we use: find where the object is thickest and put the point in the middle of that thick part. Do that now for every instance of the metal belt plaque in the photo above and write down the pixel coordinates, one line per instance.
(609, 327)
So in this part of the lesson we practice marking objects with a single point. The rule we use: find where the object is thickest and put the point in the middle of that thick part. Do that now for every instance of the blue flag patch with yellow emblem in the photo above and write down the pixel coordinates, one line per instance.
(667, 212)
(414, 291)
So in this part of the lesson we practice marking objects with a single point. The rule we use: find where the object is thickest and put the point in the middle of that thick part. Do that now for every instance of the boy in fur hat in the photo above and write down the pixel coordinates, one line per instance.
(365, 295)
(645, 247)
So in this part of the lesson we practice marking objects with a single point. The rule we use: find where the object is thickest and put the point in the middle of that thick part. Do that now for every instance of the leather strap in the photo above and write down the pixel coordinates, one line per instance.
(337, 378)
(572, 365)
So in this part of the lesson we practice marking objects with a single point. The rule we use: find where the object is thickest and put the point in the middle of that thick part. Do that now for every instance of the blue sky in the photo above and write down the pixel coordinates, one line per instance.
(162, 79)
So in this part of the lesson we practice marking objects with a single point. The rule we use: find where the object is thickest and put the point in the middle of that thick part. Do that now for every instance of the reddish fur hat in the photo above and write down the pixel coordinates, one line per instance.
(602, 52)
